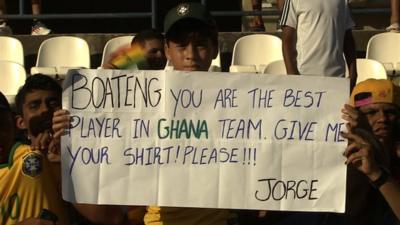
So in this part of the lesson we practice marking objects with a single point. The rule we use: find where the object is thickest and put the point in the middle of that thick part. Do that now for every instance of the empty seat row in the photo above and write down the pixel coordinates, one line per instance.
(253, 53)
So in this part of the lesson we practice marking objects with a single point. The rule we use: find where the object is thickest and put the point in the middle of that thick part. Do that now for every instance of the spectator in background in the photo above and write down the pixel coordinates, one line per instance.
(36, 101)
(146, 52)
(315, 36)
(395, 16)
(372, 115)
(38, 27)
(191, 45)
(257, 23)
(280, 4)
(29, 184)
(4, 28)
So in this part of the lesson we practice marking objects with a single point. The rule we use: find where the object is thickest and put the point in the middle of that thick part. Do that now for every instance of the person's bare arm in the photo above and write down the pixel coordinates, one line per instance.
(362, 153)
(391, 192)
(349, 50)
(102, 214)
(289, 49)
(395, 11)
(280, 4)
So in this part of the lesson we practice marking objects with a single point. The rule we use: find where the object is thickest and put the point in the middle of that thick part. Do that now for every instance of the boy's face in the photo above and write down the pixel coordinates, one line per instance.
(192, 56)
(381, 117)
(37, 111)
(7, 134)
(154, 50)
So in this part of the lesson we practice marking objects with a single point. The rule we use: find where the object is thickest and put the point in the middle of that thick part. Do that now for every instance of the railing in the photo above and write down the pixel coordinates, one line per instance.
(153, 13)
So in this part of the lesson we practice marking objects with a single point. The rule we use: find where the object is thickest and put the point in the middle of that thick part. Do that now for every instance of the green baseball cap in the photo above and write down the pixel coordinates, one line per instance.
(189, 10)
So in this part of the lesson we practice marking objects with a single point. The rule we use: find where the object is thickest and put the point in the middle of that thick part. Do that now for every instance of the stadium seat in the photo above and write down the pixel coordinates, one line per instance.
(243, 69)
(258, 50)
(11, 50)
(114, 44)
(13, 76)
(216, 64)
(369, 68)
(59, 54)
(276, 67)
(385, 48)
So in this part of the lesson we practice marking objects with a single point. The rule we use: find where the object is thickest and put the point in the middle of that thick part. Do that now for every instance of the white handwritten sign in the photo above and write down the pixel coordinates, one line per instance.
(199, 139)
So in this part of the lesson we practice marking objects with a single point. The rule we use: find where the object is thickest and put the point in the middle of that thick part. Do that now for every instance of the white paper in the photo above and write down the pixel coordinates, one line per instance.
(243, 141)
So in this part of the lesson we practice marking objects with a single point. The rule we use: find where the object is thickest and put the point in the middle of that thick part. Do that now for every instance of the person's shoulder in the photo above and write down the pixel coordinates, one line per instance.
(17, 151)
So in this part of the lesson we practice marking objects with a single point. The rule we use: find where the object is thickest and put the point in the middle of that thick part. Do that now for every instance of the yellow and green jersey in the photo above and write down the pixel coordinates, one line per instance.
(29, 183)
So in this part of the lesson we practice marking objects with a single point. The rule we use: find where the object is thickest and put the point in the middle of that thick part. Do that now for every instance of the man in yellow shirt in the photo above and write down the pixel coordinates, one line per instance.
(29, 183)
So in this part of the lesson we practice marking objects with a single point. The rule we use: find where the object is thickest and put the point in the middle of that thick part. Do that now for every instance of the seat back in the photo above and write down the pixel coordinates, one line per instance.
(369, 68)
(385, 48)
(257, 49)
(242, 69)
(11, 50)
(64, 51)
(217, 61)
(114, 44)
(13, 76)
(276, 67)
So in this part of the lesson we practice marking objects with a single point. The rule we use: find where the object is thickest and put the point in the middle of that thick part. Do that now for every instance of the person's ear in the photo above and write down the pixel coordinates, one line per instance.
(20, 122)
(167, 51)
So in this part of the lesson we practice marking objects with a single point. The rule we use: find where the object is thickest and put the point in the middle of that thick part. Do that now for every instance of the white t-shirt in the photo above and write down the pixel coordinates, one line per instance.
(320, 26)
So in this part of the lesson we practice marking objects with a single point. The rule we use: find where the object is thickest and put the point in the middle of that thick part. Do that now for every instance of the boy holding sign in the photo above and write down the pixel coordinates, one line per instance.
(191, 44)
(29, 190)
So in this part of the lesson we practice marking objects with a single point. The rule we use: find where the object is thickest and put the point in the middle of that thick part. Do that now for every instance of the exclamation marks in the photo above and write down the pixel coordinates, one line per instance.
(249, 156)
(254, 156)
(177, 153)
(244, 155)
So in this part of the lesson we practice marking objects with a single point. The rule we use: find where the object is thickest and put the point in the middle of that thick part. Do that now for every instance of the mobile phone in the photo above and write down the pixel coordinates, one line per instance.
(41, 123)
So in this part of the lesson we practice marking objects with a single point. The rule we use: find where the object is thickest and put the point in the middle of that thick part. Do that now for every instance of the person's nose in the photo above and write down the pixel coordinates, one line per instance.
(382, 115)
(44, 108)
(189, 52)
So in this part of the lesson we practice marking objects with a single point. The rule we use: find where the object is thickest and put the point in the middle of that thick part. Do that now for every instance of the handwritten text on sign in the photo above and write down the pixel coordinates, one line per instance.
(204, 140)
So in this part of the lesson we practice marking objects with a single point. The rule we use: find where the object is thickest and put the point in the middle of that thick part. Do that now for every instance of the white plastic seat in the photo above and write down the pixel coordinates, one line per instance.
(60, 54)
(11, 50)
(258, 50)
(216, 64)
(369, 68)
(13, 76)
(385, 48)
(276, 67)
(114, 44)
(242, 69)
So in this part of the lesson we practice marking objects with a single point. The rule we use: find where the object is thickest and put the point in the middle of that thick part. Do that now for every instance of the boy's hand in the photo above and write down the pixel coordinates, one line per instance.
(42, 141)
(354, 117)
(53, 152)
(49, 146)
(61, 122)
(361, 153)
